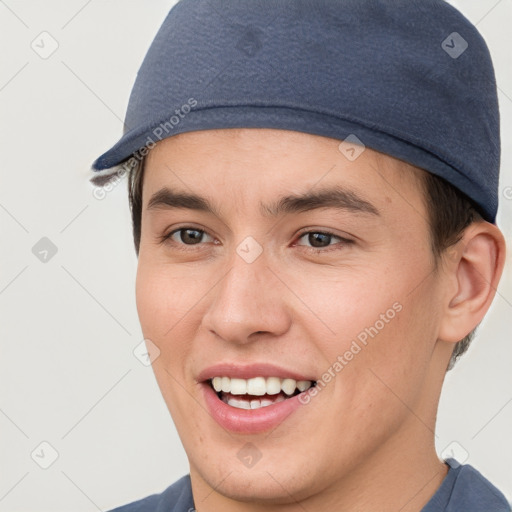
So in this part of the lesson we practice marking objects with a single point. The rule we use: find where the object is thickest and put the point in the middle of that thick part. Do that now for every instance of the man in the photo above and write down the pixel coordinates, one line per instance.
(313, 188)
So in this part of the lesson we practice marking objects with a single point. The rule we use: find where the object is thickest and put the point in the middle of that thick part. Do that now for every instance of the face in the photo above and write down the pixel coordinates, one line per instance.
(291, 329)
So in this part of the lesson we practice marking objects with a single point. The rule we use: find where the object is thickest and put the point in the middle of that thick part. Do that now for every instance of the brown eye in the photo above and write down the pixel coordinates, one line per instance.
(186, 236)
(318, 240)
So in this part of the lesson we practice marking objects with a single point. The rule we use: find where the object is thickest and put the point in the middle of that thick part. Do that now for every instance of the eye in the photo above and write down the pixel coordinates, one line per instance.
(185, 236)
(321, 239)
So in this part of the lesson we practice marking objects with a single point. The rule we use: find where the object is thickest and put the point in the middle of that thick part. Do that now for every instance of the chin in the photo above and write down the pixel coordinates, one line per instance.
(267, 485)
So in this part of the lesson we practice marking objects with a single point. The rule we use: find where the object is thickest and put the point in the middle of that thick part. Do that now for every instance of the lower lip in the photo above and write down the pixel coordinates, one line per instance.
(248, 421)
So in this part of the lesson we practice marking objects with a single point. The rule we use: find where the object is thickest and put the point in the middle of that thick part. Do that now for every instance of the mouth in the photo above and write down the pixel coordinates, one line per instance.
(257, 392)
(254, 398)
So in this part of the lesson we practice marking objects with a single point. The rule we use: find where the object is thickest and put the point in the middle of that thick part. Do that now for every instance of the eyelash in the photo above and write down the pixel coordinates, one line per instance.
(316, 250)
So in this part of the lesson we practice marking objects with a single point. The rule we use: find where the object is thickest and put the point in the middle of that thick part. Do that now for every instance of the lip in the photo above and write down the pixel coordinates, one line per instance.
(241, 371)
(248, 421)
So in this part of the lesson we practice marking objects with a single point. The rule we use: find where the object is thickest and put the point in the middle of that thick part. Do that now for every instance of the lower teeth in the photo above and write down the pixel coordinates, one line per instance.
(255, 403)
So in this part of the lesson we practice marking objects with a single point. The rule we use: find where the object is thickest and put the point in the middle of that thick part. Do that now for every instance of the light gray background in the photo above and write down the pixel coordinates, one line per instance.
(68, 326)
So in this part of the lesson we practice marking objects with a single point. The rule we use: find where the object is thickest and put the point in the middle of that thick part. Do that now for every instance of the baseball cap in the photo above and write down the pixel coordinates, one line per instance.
(410, 78)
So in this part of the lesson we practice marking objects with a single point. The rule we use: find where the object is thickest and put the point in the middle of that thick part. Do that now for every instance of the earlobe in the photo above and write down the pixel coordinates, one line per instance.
(476, 267)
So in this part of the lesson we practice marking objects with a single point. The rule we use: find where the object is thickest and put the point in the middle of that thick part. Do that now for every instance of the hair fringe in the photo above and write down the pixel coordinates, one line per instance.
(104, 177)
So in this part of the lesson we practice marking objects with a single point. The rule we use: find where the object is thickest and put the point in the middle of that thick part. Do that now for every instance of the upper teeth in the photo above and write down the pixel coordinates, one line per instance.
(259, 386)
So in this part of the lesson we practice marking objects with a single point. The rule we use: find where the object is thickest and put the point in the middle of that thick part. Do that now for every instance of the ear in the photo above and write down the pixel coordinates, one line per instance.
(473, 269)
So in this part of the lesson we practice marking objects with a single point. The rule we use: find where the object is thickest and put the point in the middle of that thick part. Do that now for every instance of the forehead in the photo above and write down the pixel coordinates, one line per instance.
(264, 163)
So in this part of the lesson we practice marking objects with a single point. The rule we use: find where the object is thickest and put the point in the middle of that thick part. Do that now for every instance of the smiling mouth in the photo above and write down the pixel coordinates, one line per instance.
(257, 392)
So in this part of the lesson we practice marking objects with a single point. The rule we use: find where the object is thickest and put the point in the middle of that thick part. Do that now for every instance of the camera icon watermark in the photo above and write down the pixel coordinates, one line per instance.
(44, 455)
(146, 352)
(457, 452)
(249, 249)
(507, 193)
(250, 43)
(249, 455)
(45, 45)
(454, 45)
(352, 147)
(44, 250)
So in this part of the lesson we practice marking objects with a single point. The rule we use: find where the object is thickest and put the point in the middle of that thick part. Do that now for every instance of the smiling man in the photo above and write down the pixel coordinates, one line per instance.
(317, 242)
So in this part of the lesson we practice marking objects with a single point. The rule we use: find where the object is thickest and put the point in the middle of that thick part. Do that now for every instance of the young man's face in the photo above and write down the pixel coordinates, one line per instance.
(252, 294)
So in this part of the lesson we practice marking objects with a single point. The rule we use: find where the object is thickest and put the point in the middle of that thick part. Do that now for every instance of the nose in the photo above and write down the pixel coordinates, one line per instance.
(248, 302)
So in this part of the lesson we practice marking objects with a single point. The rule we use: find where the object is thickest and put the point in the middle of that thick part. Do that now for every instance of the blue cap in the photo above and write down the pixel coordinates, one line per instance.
(410, 78)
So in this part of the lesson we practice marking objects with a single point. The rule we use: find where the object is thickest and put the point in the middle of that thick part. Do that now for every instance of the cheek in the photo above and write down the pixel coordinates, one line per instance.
(393, 364)
(382, 322)
(165, 306)
(163, 296)
(152, 299)
(349, 305)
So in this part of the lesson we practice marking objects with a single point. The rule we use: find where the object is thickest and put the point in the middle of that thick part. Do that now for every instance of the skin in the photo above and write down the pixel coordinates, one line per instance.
(366, 441)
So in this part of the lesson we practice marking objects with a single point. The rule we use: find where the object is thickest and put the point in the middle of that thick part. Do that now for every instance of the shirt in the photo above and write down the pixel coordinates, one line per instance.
(464, 489)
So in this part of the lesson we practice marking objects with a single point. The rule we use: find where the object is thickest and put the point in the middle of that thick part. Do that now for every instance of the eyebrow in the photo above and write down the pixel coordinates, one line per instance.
(336, 198)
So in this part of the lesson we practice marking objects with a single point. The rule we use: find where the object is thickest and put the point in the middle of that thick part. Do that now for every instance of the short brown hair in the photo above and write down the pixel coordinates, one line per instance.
(450, 213)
